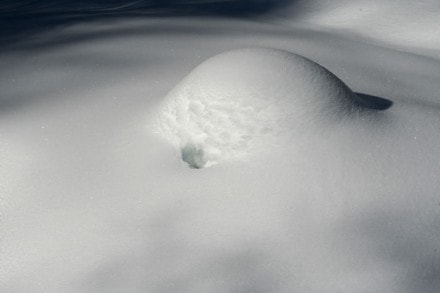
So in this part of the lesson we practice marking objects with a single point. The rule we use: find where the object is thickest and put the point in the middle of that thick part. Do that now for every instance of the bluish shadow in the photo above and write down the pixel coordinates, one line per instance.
(22, 19)
(373, 102)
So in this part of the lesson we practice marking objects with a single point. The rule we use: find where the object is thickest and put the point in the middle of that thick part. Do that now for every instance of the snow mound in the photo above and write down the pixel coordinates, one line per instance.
(244, 101)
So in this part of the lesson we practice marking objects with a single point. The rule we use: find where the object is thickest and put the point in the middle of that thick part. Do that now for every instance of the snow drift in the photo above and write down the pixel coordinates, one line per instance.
(244, 101)
(90, 202)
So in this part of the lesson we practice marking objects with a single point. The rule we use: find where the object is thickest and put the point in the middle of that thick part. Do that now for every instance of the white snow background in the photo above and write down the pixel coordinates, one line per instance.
(93, 199)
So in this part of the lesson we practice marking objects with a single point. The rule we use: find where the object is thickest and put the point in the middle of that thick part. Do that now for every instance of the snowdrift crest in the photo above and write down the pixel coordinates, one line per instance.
(243, 101)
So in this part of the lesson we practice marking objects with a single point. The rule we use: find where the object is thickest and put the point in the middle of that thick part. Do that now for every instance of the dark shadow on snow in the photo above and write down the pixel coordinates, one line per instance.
(373, 102)
(23, 19)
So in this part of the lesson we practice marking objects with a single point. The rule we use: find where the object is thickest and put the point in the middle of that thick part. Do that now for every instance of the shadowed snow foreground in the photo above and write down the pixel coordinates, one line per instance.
(244, 101)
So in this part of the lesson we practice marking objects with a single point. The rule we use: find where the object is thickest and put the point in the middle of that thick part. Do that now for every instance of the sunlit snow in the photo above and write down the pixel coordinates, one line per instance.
(307, 190)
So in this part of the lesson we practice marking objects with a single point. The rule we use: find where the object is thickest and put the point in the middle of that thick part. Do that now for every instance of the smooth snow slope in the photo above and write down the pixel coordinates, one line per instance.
(411, 25)
(91, 200)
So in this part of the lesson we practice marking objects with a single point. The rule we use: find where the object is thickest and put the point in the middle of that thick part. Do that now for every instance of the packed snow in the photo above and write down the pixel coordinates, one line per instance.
(311, 188)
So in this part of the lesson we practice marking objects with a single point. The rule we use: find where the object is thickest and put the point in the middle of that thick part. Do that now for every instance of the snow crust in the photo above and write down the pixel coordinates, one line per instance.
(245, 101)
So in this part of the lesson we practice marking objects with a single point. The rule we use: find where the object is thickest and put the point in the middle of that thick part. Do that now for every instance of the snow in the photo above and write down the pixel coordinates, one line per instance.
(93, 200)
(244, 101)
(407, 24)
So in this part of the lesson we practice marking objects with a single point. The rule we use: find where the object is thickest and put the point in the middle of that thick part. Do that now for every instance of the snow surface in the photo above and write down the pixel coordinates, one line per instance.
(245, 101)
(92, 200)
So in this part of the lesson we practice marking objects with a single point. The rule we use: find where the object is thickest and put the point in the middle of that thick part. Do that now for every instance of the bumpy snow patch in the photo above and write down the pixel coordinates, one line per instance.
(244, 101)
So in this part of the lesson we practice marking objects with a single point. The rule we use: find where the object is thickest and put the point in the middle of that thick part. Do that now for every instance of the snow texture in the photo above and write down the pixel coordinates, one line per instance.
(92, 202)
(243, 101)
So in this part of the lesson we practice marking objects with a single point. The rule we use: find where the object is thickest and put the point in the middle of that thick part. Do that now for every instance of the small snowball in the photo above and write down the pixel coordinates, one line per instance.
(193, 156)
